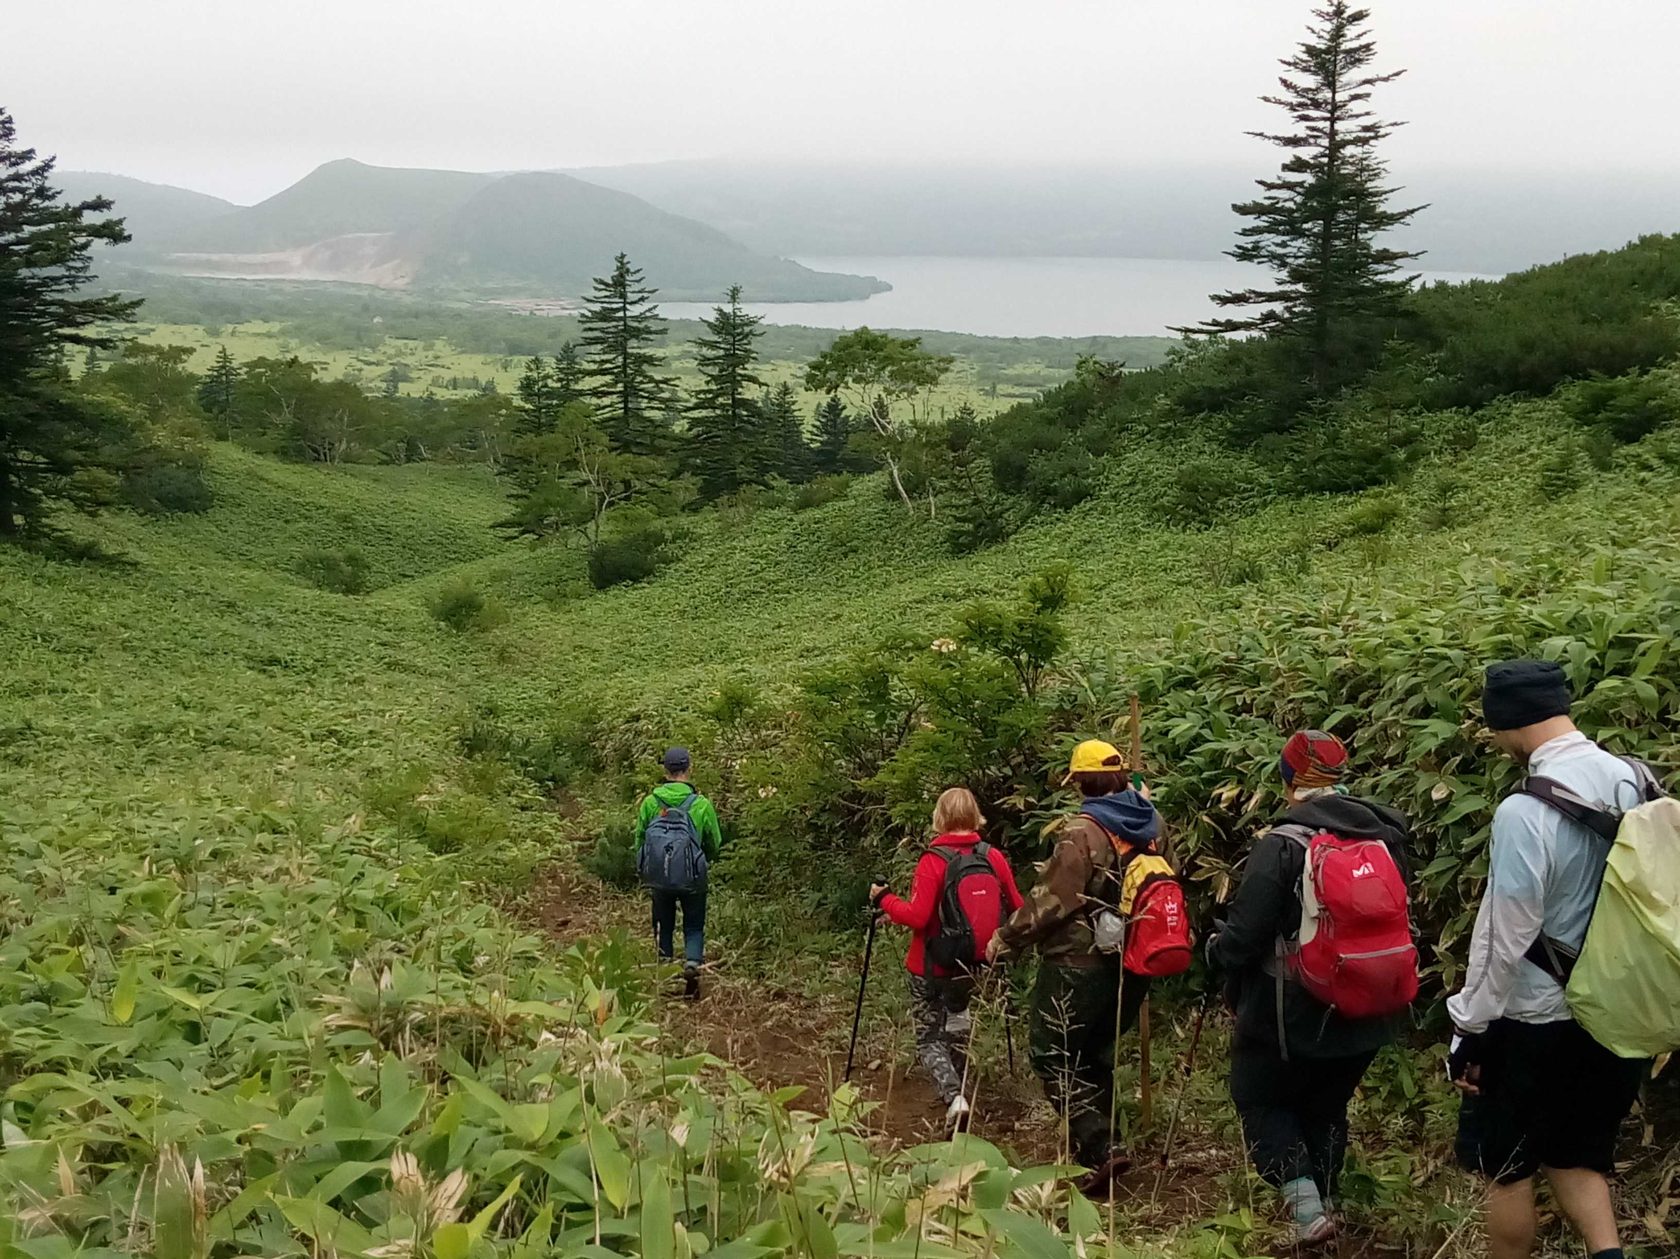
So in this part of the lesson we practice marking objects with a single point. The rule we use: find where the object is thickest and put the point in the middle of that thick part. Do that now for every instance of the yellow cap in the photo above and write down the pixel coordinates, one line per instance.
(1095, 757)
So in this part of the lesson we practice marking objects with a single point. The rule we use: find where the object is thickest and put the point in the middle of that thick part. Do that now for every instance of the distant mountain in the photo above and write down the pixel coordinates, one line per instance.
(535, 234)
(1478, 220)
(153, 213)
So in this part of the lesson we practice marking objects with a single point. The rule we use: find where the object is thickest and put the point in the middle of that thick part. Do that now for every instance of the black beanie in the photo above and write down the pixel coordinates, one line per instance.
(1520, 693)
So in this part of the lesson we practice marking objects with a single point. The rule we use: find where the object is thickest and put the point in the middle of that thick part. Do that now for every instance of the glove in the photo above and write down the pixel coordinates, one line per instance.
(1464, 1057)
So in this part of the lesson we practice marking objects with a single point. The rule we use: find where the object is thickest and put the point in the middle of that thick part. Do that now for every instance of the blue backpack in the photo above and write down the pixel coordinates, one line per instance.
(671, 859)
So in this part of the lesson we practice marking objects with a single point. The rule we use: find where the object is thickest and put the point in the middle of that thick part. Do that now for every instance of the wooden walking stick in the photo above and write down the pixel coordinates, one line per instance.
(1146, 1099)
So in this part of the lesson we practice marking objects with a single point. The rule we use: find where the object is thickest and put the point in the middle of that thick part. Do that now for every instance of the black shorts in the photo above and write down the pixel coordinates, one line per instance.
(1551, 1096)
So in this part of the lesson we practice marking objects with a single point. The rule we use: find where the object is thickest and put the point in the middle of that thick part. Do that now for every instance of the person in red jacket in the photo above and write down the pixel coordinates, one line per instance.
(939, 998)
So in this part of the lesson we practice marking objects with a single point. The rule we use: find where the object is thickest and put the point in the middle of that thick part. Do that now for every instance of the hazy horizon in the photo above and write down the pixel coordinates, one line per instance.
(240, 101)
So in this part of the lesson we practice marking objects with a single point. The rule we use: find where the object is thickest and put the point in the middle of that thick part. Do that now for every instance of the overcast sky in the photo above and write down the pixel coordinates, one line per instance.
(241, 97)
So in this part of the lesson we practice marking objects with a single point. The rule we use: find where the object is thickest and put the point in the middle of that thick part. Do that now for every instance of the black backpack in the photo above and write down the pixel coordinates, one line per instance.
(970, 910)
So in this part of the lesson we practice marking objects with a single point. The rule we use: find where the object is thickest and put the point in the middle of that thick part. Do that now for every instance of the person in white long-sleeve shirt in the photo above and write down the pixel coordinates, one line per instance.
(1540, 1094)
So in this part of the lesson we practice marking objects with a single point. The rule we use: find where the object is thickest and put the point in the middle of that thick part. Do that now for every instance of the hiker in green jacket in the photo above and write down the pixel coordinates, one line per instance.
(685, 840)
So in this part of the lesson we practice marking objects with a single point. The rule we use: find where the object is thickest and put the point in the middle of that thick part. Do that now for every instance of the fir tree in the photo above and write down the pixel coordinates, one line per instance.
(219, 390)
(568, 375)
(619, 327)
(728, 449)
(538, 399)
(47, 433)
(786, 452)
(1318, 224)
(834, 433)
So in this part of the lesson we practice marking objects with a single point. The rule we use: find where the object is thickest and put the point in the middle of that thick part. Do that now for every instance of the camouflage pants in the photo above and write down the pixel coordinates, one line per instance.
(940, 1009)
(1072, 1042)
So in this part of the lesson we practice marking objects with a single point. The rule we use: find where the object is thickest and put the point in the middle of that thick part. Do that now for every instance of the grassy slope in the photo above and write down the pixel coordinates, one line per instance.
(203, 678)
(207, 630)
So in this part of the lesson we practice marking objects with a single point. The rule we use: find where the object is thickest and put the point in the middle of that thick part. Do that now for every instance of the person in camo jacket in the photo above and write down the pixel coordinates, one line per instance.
(1080, 997)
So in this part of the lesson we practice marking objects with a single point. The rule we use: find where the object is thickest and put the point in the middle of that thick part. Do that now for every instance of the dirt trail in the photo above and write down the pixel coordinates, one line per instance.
(778, 1037)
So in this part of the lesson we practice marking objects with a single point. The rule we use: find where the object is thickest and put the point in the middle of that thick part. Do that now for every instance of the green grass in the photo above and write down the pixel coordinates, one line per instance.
(196, 720)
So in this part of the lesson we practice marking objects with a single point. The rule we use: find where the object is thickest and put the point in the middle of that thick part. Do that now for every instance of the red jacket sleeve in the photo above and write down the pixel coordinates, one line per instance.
(1012, 898)
(919, 911)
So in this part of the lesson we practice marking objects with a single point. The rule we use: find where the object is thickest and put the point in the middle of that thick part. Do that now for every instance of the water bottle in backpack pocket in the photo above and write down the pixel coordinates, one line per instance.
(671, 859)
(970, 909)
(1355, 951)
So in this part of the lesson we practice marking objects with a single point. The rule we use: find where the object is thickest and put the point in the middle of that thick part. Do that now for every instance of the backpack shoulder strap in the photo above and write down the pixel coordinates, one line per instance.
(1650, 786)
(1295, 832)
(1601, 822)
(689, 801)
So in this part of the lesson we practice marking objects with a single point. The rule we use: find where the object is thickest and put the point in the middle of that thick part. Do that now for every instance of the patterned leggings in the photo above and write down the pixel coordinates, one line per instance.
(940, 1008)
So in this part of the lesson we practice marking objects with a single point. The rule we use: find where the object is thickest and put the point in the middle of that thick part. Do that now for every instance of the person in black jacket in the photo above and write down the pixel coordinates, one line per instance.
(1292, 1085)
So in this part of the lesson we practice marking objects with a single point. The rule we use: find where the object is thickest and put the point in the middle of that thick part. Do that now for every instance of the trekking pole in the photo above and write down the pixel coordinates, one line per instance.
(1008, 1033)
(863, 982)
(1178, 1103)
(1146, 1097)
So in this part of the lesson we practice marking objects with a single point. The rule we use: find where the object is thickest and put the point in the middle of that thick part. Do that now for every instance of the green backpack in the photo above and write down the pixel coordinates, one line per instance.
(1624, 985)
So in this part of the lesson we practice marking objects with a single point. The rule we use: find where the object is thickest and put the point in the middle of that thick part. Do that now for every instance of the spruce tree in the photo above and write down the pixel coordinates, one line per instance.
(538, 404)
(1318, 225)
(620, 326)
(786, 451)
(219, 389)
(728, 449)
(48, 434)
(568, 375)
(834, 433)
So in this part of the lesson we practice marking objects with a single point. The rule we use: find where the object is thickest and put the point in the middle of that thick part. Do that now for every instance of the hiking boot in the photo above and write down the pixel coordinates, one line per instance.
(1316, 1233)
(957, 1114)
(1111, 1167)
(691, 982)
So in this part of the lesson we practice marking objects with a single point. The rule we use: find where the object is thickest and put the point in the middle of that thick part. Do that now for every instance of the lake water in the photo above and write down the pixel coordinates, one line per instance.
(1020, 297)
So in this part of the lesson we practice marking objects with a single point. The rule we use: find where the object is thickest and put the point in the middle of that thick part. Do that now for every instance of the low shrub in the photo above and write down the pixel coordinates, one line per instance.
(344, 571)
(1627, 408)
(166, 489)
(625, 559)
(821, 492)
(1373, 516)
(463, 607)
(613, 859)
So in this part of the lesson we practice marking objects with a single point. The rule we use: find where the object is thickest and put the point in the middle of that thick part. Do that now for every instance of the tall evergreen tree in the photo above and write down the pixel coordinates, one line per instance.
(833, 434)
(1319, 223)
(620, 326)
(219, 389)
(538, 402)
(47, 434)
(568, 375)
(728, 450)
(786, 451)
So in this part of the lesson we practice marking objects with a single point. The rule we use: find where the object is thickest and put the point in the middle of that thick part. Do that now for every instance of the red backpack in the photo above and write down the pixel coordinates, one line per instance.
(970, 909)
(1159, 941)
(1158, 938)
(1355, 951)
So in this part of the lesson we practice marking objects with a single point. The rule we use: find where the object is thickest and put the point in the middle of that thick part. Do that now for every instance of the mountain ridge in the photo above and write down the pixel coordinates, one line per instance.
(540, 234)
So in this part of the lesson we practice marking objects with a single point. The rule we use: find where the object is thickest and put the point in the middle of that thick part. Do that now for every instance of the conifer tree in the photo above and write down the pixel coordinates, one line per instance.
(725, 417)
(538, 402)
(568, 375)
(786, 451)
(1319, 222)
(620, 326)
(219, 389)
(48, 434)
(834, 433)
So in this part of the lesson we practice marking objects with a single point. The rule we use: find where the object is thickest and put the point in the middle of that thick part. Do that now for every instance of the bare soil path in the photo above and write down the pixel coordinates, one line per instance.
(777, 1034)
